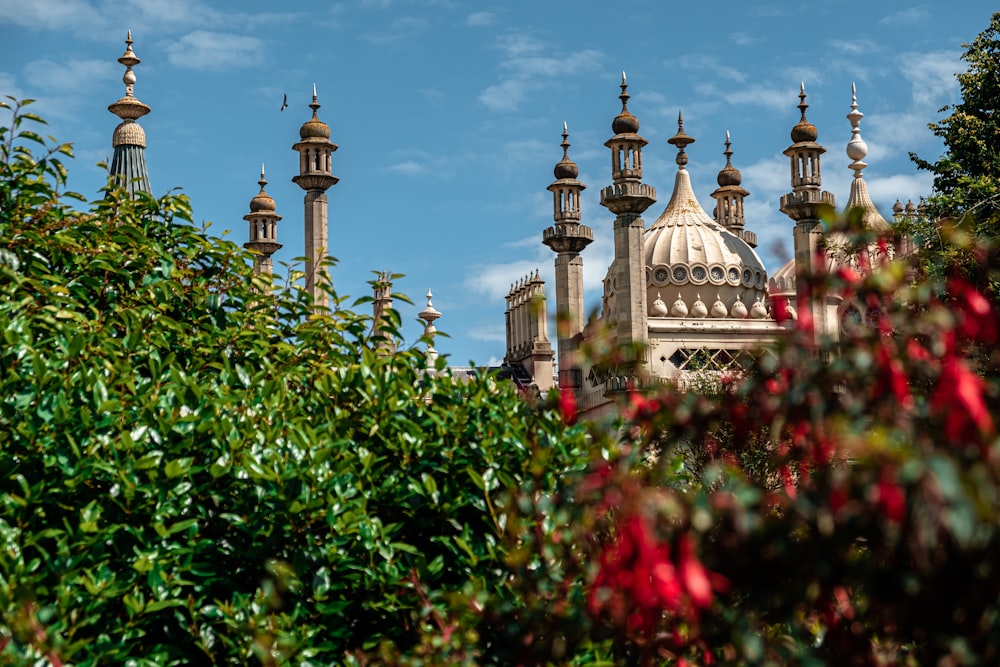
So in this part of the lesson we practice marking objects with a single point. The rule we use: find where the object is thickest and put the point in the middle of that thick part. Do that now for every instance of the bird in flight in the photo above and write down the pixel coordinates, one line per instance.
(284, 103)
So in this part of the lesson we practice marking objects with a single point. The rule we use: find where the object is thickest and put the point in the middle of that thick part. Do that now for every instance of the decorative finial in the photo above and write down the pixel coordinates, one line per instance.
(314, 105)
(802, 99)
(729, 151)
(565, 142)
(624, 97)
(856, 147)
(263, 181)
(681, 140)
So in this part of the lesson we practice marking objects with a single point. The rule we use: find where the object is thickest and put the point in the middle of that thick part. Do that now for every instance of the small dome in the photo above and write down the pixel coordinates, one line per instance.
(804, 131)
(759, 310)
(699, 309)
(739, 308)
(659, 308)
(625, 123)
(679, 309)
(262, 202)
(314, 128)
(718, 308)
(566, 168)
(729, 175)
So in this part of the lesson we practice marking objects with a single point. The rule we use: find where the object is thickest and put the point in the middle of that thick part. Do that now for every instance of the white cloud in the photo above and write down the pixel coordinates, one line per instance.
(206, 50)
(706, 62)
(525, 70)
(408, 167)
(909, 16)
(931, 76)
(746, 39)
(49, 14)
(480, 19)
(71, 76)
(400, 28)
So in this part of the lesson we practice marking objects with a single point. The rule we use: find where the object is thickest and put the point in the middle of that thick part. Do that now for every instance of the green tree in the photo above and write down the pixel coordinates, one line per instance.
(967, 176)
(195, 470)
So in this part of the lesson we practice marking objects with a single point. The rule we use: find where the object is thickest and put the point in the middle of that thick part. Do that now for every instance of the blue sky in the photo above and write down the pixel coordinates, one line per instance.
(449, 114)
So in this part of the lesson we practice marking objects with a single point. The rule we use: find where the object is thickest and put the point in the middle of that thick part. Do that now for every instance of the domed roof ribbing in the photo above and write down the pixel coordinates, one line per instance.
(314, 127)
(804, 131)
(625, 122)
(566, 168)
(685, 234)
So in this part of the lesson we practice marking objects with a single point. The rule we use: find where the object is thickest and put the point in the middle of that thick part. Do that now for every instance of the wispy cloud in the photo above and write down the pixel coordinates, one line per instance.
(480, 19)
(526, 69)
(746, 39)
(49, 14)
(705, 62)
(207, 50)
(909, 16)
(931, 76)
(399, 29)
(70, 76)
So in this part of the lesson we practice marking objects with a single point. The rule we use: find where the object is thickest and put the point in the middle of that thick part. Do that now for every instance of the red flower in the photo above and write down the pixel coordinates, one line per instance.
(567, 405)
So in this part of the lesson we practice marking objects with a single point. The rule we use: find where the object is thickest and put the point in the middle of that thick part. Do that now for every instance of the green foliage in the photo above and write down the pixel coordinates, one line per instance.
(967, 176)
(196, 470)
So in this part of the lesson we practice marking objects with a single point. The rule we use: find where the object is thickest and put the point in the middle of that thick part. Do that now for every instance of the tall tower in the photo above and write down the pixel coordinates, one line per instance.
(128, 166)
(804, 204)
(627, 197)
(381, 304)
(567, 238)
(315, 177)
(263, 229)
(729, 198)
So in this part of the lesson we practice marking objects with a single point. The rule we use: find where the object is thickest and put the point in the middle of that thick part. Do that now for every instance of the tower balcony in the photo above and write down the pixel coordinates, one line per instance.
(315, 181)
(628, 197)
(806, 204)
(568, 238)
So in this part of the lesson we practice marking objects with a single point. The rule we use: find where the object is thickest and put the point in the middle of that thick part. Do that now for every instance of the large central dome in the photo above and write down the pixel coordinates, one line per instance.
(692, 260)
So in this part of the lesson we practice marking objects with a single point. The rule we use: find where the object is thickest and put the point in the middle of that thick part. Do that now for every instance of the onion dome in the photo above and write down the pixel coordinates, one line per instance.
(790, 311)
(759, 310)
(625, 122)
(804, 131)
(262, 201)
(739, 310)
(566, 168)
(658, 307)
(699, 309)
(911, 208)
(684, 247)
(314, 127)
(679, 309)
(729, 175)
(897, 208)
(718, 308)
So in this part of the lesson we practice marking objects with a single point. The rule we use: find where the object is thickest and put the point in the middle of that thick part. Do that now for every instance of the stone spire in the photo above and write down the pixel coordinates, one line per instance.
(263, 229)
(729, 198)
(857, 149)
(628, 197)
(128, 166)
(316, 177)
(805, 204)
(429, 315)
(568, 238)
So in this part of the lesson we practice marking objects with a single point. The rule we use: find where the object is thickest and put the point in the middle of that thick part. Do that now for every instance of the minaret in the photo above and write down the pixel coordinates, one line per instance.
(567, 238)
(382, 302)
(429, 315)
(627, 197)
(263, 229)
(316, 177)
(128, 166)
(729, 198)
(804, 204)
